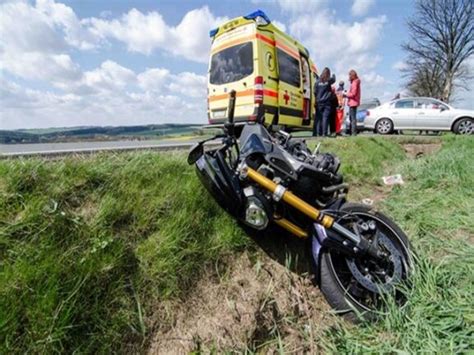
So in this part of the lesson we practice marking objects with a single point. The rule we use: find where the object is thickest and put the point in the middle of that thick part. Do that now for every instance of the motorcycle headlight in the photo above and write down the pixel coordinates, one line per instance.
(255, 214)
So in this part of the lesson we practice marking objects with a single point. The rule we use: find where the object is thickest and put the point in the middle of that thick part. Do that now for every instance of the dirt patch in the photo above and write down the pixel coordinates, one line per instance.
(416, 151)
(258, 305)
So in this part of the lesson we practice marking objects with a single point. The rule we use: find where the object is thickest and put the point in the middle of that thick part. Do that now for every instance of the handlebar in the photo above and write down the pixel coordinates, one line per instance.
(229, 125)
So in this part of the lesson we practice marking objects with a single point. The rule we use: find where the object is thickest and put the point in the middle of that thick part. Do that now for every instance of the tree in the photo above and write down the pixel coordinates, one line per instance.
(441, 42)
(425, 79)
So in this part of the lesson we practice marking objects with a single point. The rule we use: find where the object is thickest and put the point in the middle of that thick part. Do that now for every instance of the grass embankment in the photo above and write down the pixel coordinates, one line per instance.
(436, 209)
(91, 247)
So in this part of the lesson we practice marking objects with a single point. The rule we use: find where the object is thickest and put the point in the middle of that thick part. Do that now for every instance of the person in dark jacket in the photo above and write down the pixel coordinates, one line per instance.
(323, 93)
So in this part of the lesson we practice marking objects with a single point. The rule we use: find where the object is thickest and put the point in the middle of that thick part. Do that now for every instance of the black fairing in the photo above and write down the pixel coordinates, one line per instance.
(220, 181)
(255, 139)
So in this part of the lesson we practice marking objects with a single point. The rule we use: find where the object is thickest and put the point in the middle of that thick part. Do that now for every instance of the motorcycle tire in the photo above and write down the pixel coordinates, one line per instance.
(331, 286)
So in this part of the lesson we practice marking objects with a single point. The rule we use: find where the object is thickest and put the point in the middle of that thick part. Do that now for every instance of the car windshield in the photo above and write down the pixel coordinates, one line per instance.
(231, 64)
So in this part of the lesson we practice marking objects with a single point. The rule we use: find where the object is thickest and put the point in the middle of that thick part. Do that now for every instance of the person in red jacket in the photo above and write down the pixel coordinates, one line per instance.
(353, 101)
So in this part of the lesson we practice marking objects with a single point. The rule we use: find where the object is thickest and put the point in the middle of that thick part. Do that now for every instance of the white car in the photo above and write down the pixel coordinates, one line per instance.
(419, 113)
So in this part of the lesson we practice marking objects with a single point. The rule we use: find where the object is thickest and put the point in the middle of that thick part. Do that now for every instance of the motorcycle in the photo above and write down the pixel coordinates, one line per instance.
(359, 255)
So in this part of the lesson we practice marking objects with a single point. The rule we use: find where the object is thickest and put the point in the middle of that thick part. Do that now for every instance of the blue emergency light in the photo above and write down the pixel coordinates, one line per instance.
(259, 16)
(213, 32)
(258, 13)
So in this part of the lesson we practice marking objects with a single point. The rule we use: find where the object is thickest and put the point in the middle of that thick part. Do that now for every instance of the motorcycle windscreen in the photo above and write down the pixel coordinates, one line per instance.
(255, 139)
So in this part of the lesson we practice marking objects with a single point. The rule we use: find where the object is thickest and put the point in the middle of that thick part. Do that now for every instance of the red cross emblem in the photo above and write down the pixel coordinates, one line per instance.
(286, 97)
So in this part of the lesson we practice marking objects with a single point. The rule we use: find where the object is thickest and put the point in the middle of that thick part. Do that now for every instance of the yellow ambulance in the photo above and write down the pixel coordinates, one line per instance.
(271, 72)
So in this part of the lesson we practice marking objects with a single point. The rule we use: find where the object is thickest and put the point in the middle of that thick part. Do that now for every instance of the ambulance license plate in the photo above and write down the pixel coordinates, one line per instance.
(219, 113)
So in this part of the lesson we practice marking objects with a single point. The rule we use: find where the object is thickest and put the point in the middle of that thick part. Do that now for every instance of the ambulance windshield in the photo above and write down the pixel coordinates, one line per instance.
(231, 64)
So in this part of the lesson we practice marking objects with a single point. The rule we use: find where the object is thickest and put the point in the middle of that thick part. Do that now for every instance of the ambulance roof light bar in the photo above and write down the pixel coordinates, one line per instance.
(259, 16)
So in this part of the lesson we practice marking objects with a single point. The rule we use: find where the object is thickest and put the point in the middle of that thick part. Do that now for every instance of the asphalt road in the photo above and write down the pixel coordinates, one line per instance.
(58, 149)
(12, 150)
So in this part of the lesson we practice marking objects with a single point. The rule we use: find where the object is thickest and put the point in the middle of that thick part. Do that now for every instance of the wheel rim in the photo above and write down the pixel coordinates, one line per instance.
(466, 127)
(384, 126)
(350, 273)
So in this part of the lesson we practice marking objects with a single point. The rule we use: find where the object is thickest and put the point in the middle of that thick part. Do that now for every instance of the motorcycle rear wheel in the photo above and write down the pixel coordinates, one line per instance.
(355, 287)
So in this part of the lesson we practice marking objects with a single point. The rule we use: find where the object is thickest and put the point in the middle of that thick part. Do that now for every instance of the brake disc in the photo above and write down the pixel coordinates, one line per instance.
(370, 282)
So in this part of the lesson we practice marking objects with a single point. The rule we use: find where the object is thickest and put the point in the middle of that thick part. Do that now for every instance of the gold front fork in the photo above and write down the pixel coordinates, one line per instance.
(290, 198)
(280, 193)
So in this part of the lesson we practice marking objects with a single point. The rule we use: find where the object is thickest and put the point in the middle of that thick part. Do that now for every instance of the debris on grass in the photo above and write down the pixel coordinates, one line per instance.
(368, 201)
(393, 180)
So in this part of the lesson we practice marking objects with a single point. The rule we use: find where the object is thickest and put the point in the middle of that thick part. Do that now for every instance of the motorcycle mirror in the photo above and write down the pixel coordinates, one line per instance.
(231, 108)
(229, 126)
(195, 153)
(316, 150)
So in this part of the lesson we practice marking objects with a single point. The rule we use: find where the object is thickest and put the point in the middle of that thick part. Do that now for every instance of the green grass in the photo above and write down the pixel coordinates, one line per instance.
(91, 249)
(86, 246)
(436, 209)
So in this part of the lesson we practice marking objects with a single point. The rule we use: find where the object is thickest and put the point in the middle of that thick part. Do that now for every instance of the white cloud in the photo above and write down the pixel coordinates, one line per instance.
(25, 108)
(280, 25)
(301, 6)
(108, 95)
(342, 46)
(160, 80)
(24, 29)
(335, 43)
(153, 79)
(145, 33)
(189, 84)
(361, 7)
(400, 65)
(39, 43)
(77, 33)
(109, 77)
(32, 47)
(52, 27)
(53, 68)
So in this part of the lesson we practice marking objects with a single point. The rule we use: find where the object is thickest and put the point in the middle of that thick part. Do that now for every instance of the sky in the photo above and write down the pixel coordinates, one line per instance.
(88, 62)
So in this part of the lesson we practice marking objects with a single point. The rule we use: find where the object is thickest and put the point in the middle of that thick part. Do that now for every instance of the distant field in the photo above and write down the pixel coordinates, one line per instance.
(127, 252)
(50, 135)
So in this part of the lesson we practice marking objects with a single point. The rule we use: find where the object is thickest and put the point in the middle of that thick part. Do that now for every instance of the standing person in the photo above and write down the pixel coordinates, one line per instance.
(323, 93)
(332, 116)
(340, 107)
(353, 100)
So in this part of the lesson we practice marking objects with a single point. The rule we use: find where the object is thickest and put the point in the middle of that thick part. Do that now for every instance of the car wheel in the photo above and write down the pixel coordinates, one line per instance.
(384, 126)
(464, 126)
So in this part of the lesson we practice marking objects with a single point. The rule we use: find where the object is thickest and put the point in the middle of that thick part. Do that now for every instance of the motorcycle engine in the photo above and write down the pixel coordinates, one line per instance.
(318, 177)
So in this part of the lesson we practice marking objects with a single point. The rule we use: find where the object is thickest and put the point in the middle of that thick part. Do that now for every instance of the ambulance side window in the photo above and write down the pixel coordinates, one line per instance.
(289, 68)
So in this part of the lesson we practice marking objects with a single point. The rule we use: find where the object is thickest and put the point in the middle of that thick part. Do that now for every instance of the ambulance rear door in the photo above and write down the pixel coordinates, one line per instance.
(267, 69)
(233, 55)
(290, 90)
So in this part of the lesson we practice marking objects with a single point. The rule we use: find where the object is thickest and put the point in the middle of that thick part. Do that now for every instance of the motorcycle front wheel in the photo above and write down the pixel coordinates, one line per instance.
(356, 287)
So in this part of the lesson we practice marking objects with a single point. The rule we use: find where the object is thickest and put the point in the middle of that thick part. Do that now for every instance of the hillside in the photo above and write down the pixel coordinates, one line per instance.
(71, 134)
(127, 253)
